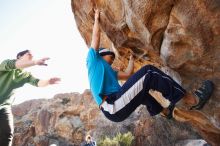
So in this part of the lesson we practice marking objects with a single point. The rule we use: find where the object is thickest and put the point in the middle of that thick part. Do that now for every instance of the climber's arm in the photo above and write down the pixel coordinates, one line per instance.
(129, 70)
(96, 32)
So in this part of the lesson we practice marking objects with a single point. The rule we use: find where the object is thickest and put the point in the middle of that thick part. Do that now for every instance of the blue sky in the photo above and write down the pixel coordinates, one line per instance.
(48, 29)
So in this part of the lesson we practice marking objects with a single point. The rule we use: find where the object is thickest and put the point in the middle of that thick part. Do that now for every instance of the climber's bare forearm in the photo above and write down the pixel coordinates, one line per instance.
(128, 72)
(96, 32)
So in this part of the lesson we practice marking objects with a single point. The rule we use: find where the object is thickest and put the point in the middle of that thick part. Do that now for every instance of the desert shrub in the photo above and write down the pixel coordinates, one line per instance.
(125, 139)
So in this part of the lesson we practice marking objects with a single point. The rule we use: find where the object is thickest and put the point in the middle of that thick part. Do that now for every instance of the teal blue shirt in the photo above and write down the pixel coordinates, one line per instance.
(102, 78)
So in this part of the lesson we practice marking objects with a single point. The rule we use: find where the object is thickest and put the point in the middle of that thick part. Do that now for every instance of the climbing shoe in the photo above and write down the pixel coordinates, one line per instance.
(203, 94)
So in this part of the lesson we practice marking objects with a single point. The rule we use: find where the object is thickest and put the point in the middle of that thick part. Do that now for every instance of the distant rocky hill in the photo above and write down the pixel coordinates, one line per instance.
(65, 120)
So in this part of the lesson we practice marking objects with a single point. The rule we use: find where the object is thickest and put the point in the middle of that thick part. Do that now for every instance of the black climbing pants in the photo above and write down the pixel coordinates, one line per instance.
(6, 126)
(134, 92)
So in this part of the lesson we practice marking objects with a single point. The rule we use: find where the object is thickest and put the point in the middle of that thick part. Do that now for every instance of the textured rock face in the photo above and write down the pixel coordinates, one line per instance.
(67, 118)
(179, 35)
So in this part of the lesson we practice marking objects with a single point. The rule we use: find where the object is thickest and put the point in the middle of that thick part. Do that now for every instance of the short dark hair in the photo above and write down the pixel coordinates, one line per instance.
(20, 54)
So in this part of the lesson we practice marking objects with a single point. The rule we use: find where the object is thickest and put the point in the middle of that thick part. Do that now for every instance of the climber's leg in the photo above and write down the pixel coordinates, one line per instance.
(135, 91)
(171, 91)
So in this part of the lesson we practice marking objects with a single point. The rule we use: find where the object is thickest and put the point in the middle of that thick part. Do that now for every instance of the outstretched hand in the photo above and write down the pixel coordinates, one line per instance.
(42, 61)
(54, 80)
(51, 81)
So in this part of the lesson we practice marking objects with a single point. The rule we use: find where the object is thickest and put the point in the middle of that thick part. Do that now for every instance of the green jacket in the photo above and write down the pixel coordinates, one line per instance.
(12, 78)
